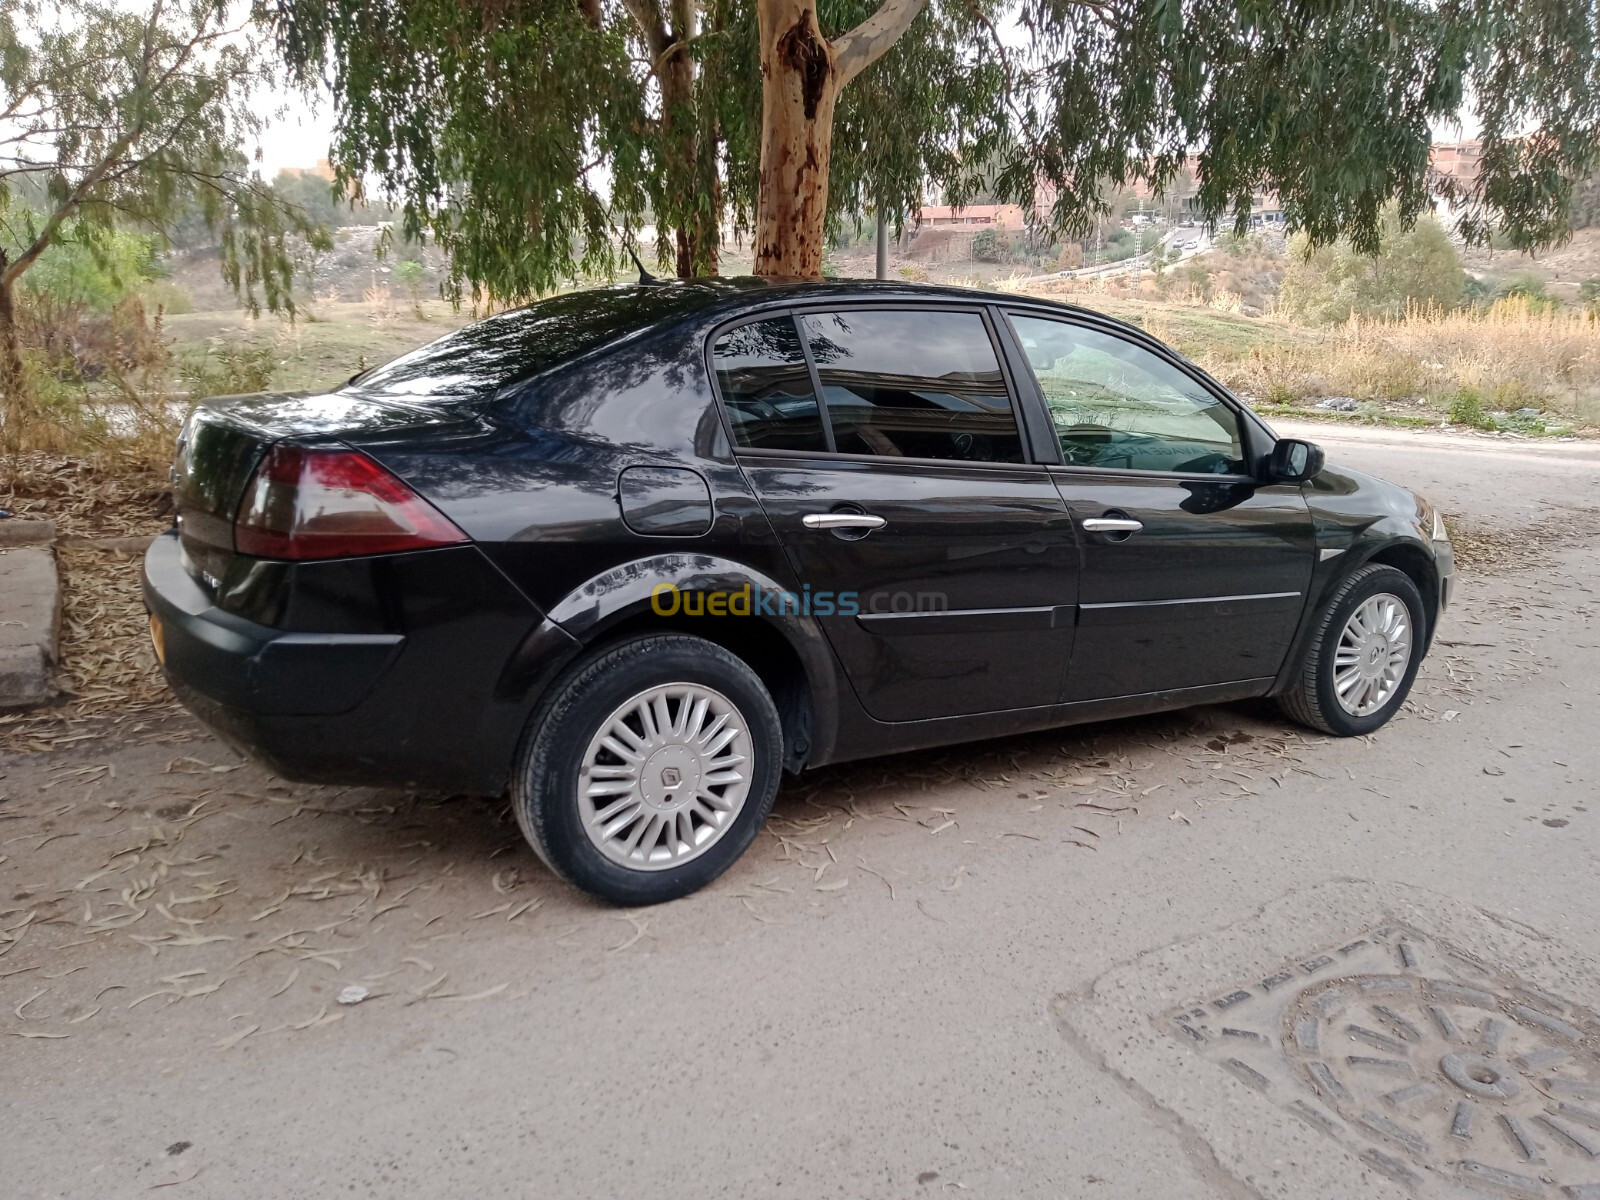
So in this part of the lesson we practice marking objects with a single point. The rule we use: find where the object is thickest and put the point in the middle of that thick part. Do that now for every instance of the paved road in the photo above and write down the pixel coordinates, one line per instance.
(894, 995)
(1173, 239)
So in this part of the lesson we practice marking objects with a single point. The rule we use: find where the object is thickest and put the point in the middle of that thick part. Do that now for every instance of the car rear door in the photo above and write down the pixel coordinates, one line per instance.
(940, 562)
(1194, 571)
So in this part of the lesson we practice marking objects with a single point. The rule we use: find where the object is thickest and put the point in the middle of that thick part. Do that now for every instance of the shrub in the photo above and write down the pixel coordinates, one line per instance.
(410, 274)
(1589, 295)
(986, 245)
(92, 273)
(1525, 285)
(1466, 408)
(226, 370)
(1418, 266)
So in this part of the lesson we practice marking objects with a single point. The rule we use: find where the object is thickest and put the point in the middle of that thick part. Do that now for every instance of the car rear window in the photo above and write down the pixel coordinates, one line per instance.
(913, 384)
(766, 388)
(475, 360)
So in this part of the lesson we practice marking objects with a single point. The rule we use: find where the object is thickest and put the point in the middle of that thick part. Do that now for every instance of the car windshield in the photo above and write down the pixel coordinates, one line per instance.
(475, 360)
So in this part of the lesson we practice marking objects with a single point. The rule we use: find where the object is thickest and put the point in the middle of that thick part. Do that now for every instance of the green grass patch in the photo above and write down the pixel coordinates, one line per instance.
(315, 352)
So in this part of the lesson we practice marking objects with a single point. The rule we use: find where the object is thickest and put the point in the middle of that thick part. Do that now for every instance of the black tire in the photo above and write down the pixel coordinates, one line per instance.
(544, 782)
(1312, 699)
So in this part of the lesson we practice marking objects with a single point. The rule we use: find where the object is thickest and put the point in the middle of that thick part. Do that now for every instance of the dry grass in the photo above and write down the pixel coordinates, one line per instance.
(107, 664)
(116, 491)
(107, 671)
(1512, 353)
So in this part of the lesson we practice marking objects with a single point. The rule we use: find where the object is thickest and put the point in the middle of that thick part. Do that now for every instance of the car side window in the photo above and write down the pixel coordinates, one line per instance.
(1115, 404)
(913, 384)
(766, 388)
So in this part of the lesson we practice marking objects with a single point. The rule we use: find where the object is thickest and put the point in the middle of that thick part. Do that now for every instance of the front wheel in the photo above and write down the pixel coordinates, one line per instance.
(649, 769)
(1363, 656)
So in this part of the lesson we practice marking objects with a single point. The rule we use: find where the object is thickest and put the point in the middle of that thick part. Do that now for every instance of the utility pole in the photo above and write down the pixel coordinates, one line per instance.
(883, 246)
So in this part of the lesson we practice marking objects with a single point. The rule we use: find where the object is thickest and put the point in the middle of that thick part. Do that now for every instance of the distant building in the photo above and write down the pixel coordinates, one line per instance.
(1458, 161)
(322, 170)
(1266, 211)
(1453, 165)
(999, 216)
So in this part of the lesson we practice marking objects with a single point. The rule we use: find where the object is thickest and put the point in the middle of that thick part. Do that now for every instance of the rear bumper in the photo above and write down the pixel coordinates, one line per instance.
(232, 661)
(432, 706)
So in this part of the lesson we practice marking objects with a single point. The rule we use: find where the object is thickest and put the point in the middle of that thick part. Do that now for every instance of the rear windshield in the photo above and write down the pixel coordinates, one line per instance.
(477, 359)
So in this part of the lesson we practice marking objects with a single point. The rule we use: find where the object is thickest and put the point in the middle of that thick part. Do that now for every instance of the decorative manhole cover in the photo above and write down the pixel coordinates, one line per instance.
(1433, 1067)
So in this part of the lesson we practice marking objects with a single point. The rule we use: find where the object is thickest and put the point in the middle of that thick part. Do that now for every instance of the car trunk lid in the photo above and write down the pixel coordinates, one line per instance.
(225, 440)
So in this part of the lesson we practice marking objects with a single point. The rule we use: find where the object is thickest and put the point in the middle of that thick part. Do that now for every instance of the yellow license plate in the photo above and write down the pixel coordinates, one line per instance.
(158, 639)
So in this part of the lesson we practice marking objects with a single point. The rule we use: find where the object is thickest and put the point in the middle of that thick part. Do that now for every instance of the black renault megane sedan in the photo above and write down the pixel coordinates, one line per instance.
(634, 552)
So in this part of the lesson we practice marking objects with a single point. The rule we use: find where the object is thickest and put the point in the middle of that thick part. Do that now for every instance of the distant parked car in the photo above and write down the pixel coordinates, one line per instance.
(634, 552)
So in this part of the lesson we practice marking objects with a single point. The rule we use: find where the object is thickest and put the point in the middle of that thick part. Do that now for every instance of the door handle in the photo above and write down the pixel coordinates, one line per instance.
(842, 521)
(1112, 525)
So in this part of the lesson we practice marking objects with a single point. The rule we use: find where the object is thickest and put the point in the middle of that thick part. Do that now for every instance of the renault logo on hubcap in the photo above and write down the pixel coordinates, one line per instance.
(671, 777)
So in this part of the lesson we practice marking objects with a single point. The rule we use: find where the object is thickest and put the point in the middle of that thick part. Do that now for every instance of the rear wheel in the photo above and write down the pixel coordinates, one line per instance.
(649, 768)
(1363, 656)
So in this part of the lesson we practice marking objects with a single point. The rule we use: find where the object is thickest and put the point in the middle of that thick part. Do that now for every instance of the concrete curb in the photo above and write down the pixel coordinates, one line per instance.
(30, 624)
(21, 531)
(136, 543)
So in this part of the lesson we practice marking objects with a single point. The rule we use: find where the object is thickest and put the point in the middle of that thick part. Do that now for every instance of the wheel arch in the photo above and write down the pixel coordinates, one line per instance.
(1412, 560)
(787, 650)
(1405, 554)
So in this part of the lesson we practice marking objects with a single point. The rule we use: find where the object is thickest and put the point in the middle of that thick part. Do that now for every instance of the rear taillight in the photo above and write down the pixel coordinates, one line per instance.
(307, 503)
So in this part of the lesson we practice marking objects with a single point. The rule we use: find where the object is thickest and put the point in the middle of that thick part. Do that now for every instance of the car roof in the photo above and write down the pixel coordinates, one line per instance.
(726, 295)
(767, 287)
(524, 342)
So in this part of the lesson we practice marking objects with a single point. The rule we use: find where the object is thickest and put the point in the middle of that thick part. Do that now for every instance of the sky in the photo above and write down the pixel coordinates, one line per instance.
(297, 138)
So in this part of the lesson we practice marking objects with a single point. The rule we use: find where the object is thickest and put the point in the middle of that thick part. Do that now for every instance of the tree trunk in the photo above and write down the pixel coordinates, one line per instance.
(699, 241)
(676, 77)
(687, 129)
(801, 75)
(13, 395)
(798, 90)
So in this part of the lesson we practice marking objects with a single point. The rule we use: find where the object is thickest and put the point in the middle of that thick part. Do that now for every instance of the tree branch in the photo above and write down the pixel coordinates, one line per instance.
(864, 45)
(652, 24)
(92, 178)
(67, 207)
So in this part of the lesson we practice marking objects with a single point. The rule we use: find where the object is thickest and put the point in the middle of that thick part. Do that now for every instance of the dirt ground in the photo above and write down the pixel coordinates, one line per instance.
(217, 982)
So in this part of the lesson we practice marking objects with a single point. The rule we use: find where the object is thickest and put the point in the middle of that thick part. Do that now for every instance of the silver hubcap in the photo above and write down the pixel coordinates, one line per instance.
(665, 777)
(1373, 653)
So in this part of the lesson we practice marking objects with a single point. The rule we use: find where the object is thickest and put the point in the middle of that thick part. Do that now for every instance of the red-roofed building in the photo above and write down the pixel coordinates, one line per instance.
(999, 216)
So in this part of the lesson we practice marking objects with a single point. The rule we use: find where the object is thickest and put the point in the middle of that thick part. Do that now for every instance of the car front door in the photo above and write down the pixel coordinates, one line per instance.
(1194, 570)
(941, 564)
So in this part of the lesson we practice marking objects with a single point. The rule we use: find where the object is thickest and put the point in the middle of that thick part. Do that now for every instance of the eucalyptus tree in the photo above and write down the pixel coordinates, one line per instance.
(116, 115)
(1329, 103)
(520, 133)
(527, 134)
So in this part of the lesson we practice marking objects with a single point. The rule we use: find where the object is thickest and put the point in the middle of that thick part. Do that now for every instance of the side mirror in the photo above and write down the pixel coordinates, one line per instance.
(1294, 461)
